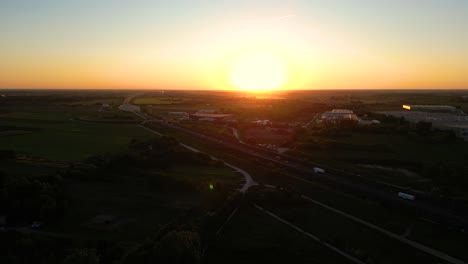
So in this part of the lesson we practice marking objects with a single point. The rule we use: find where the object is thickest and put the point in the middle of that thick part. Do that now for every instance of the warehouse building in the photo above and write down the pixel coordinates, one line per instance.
(210, 117)
(429, 108)
(448, 121)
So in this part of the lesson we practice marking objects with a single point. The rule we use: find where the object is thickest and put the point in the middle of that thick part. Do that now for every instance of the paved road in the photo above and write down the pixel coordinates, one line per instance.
(333, 179)
(300, 230)
(128, 107)
(352, 185)
(411, 243)
(249, 182)
(235, 132)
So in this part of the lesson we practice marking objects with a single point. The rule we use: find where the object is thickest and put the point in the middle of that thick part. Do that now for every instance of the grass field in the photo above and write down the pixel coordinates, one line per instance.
(134, 210)
(436, 236)
(50, 133)
(110, 101)
(209, 129)
(25, 168)
(127, 207)
(132, 207)
(350, 236)
(158, 101)
(110, 116)
(395, 152)
(393, 147)
(253, 237)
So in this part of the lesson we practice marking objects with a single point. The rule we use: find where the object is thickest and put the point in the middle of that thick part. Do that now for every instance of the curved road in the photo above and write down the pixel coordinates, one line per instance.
(249, 182)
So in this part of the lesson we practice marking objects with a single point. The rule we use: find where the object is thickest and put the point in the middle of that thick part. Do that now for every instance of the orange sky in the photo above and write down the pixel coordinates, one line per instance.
(323, 45)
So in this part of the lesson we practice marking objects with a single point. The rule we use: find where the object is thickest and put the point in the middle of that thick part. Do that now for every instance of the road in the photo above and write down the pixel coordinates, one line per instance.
(128, 107)
(235, 132)
(334, 178)
(330, 181)
(248, 180)
(402, 239)
(357, 186)
(300, 230)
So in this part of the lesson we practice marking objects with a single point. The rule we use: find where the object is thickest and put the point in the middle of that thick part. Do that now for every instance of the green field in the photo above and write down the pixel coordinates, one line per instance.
(253, 237)
(53, 135)
(117, 206)
(369, 148)
(134, 206)
(391, 158)
(368, 210)
(158, 101)
(127, 198)
(341, 232)
(210, 129)
(113, 115)
(27, 167)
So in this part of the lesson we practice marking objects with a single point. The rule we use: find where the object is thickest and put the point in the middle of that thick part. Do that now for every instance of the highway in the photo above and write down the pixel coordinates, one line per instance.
(333, 178)
(318, 240)
(357, 186)
(353, 185)
(127, 106)
(402, 239)
(248, 180)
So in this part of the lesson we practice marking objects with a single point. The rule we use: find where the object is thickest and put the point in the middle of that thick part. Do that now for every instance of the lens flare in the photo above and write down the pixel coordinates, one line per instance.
(258, 72)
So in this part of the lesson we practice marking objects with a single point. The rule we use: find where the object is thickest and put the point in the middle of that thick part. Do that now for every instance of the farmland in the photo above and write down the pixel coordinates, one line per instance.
(114, 180)
(90, 167)
(159, 101)
(253, 237)
(52, 136)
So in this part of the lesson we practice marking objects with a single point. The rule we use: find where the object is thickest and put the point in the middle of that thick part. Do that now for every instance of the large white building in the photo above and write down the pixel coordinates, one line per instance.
(451, 121)
(432, 108)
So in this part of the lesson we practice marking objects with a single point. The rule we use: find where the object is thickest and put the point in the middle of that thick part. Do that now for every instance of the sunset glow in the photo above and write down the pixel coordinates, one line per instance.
(258, 72)
(311, 45)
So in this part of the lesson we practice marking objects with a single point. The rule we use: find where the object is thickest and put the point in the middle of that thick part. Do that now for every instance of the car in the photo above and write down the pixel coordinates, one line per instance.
(36, 225)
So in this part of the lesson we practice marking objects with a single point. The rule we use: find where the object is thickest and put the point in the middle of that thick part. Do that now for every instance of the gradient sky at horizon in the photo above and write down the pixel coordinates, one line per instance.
(191, 44)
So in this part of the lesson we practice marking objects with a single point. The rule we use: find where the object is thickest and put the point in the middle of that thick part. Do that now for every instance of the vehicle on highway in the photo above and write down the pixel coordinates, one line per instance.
(318, 170)
(406, 196)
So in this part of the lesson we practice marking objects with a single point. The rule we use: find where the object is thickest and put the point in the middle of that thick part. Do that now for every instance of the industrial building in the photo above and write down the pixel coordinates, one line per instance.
(178, 113)
(339, 114)
(210, 117)
(430, 108)
(449, 121)
(207, 112)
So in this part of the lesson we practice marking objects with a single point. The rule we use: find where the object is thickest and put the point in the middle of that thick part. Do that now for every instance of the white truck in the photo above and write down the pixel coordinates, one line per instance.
(406, 196)
(318, 170)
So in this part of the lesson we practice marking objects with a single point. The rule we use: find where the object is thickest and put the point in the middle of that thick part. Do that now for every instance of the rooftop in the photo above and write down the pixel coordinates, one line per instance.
(211, 115)
(428, 107)
(341, 111)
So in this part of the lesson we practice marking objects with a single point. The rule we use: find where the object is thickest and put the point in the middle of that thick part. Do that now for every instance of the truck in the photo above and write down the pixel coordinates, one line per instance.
(318, 170)
(406, 196)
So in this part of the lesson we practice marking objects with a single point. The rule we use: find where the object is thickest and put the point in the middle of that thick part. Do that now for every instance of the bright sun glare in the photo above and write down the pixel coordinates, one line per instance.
(258, 72)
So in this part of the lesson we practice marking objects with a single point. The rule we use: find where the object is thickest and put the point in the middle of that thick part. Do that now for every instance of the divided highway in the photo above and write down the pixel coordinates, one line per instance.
(333, 178)
(358, 186)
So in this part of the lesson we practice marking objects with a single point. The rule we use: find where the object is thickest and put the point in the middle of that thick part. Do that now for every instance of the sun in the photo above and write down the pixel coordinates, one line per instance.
(261, 71)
